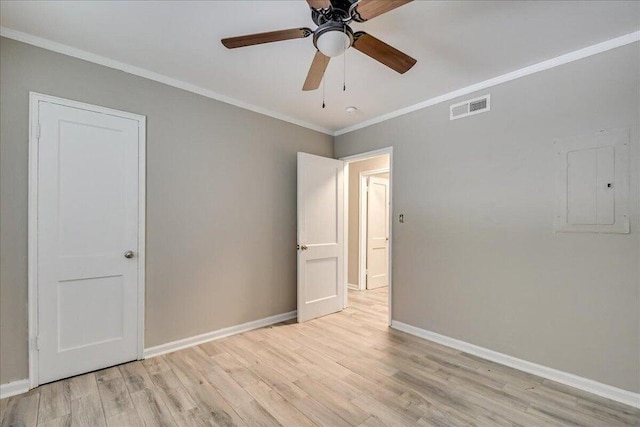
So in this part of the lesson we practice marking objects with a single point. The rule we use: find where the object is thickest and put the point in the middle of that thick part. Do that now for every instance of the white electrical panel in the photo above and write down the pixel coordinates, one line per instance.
(593, 183)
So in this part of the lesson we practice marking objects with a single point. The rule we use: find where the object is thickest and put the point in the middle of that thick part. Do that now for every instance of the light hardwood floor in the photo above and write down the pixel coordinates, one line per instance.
(347, 369)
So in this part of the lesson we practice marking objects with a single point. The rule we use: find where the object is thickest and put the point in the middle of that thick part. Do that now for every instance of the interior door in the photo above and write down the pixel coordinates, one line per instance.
(378, 233)
(87, 241)
(320, 236)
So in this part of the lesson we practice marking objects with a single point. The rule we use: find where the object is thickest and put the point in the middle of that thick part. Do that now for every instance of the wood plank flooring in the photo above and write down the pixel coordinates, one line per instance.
(347, 369)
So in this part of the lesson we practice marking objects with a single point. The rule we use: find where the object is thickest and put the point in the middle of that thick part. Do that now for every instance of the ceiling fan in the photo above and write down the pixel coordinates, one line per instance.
(334, 35)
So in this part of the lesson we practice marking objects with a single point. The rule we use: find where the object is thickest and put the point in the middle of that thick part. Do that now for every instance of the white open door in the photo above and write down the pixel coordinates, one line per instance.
(320, 236)
(378, 233)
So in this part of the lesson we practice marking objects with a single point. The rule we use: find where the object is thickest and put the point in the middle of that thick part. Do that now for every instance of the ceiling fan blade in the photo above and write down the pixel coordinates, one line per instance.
(382, 52)
(319, 4)
(272, 36)
(368, 9)
(316, 72)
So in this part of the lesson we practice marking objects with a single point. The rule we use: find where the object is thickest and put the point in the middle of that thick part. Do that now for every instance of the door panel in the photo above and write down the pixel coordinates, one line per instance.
(321, 279)
(87, 220)
(378, 233)
(320, 236)
(96, 298)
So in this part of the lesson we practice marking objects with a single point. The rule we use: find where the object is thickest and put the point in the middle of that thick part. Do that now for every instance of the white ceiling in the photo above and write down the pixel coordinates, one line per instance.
(456, 43)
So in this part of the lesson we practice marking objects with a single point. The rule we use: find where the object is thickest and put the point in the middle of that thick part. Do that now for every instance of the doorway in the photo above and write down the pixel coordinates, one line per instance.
(86, 238)
(368, 183)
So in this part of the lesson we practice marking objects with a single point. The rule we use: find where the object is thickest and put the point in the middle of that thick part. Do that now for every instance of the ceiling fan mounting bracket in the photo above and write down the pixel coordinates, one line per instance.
(343, 11)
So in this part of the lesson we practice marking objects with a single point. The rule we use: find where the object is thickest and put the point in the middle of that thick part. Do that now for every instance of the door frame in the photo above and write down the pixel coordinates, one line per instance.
(363, 222)
(32, 263)
(356, 158)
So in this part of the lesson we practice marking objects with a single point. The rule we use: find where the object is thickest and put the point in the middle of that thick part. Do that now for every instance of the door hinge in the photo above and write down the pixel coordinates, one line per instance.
(38, 342)
(38, 131)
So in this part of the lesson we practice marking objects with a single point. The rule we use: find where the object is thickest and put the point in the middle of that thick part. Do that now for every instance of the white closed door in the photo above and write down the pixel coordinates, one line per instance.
(378, 233)
(87, 231)
(320, 236)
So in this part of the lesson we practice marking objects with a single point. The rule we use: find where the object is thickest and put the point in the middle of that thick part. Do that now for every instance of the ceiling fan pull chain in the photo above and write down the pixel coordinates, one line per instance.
(344, 63)
(324, 80)
(344, 74)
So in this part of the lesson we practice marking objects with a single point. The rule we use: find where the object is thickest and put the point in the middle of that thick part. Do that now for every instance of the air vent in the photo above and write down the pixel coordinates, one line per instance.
(470, 107)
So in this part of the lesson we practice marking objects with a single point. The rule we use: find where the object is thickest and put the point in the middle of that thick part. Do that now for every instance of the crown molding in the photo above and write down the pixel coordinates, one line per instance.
(522, 72)
(147, 74)
(141, 72)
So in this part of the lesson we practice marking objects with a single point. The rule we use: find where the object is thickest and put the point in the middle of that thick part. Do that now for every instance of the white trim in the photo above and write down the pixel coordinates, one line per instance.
(32, 247)
(585, 384)
(362, 240)
(34, 99)
(353, 287)
(355, 158)
(345, 249)
(369, 154)
(142, 229)
(214, 335)
(147, 74)
(14, 388)
(374, 172)
(523, 72)
(531, 69)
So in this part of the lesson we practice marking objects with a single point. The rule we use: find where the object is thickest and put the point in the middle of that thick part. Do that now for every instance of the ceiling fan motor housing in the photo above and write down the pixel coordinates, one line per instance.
(333, 38)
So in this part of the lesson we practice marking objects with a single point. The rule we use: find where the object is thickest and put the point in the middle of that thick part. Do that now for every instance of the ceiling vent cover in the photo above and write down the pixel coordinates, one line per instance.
(470, 107)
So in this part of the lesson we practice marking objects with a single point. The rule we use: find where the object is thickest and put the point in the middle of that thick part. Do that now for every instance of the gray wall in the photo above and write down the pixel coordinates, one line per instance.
(221, 208)
(476, 258)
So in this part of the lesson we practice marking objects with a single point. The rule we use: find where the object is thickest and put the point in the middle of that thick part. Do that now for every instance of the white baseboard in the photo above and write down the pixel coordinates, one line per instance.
(22, 386)
(354, 287)
(13, 388)
(214, 335)
(585, 384)
(591, 386)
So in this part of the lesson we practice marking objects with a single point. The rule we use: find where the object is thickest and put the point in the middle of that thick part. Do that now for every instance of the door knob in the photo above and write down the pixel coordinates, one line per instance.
(304, 247)
(128, 254)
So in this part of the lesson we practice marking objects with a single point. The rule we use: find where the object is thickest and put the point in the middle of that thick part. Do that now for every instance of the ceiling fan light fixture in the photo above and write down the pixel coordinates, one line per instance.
(334, 36)
(333, 43)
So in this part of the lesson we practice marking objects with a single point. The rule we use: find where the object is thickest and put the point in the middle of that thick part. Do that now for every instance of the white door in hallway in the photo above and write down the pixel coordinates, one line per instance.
(378, 233)
(320, 236)
(87, 240)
